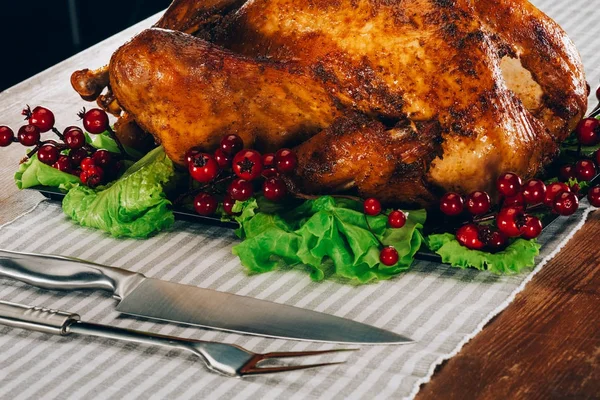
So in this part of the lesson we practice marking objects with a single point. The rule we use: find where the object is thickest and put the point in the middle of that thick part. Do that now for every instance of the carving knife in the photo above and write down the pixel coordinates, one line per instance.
(174, 302)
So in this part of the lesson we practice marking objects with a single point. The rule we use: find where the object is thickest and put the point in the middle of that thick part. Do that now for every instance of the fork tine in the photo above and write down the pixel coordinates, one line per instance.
(253, 370)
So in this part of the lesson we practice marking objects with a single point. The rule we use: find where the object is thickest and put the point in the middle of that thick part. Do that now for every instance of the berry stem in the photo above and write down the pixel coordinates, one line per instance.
(491, 216)
(57, 133)
(114, 137)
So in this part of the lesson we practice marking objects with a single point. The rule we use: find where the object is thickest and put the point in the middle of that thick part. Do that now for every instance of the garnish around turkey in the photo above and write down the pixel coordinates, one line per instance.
(338, 236)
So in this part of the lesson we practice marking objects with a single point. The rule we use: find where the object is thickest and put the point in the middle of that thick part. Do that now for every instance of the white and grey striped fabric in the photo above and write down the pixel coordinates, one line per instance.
(438, 306)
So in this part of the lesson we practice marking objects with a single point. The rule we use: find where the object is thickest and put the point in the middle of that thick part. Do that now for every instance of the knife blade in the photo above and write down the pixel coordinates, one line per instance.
(146, 297)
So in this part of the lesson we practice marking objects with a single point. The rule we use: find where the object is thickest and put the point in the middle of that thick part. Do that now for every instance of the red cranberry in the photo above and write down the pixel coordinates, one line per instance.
(228, 203)
(48, 154)
(42, 118)
(240, 189)
(478, 203)
(534, 191)
(223, 159)
(232, 144)
(397, 219)
(588, 131)
(274, 189)
(76, 156)
(63, 164)
(451, 204)
(92, 176)
(95, 121)
(566, 172)
(189, 155)
(515, 201)
(496, 241)
(270, 173)
(510, 220)
(87, 163)
(372, 206)
(566, 203)
(203, 167)
(29, 135)
(552, 190)
(388, 256)
(594, 196)
(7, 136)
(269, 160)
(468, 236)
(102, 158)
(509, 184)
(247, 164)
(205, 204)
(285, 160)
(74, 137)
(532, 228)
(585, 170)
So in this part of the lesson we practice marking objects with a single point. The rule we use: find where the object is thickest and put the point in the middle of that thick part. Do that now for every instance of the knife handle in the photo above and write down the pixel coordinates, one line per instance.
(36, 318)
(66, 273)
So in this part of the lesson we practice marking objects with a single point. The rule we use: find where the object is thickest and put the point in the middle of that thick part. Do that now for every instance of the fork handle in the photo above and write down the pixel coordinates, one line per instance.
(36, 318)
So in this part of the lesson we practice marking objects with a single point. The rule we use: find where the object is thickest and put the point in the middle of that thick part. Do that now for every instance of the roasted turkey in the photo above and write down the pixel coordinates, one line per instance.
(400, 100)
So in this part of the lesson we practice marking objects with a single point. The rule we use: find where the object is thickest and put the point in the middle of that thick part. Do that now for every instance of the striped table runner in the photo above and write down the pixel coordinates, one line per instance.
(438, 306)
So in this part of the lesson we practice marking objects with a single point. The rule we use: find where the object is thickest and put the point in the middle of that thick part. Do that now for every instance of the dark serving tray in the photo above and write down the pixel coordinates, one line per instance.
(184, 215)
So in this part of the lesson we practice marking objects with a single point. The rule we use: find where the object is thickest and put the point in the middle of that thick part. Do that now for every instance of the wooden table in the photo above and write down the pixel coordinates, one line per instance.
(546, 344)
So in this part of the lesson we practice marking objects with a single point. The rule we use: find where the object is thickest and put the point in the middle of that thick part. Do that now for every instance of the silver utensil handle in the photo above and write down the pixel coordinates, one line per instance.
(65, 273)
(36, 318)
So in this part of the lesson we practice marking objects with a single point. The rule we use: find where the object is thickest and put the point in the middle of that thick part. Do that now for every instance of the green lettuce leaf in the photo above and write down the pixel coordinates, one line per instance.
(104, 141)
(329, 237)
(512, 260)
(135, 205)
(34, 173)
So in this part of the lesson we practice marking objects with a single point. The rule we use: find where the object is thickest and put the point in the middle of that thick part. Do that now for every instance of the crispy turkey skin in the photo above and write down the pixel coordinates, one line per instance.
(399, 100)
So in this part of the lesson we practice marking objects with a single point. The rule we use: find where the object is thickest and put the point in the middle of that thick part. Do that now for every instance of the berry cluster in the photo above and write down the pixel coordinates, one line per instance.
(396, 219)
(248, 167)
(71, 154)
(513, 218)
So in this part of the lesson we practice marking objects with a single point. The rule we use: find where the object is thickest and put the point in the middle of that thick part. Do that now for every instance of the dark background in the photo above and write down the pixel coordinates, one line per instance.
(36, 34)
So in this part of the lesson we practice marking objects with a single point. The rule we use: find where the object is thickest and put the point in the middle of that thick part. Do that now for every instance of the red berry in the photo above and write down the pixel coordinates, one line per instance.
(594, 196)
(532, 228)
(74, 137)
(102, 158)
(205, 204)
(388, 256)
(228, 203)
(63, 164)
(247, 164)
(588, 131)
(534, 191)
(87, 163)
(274, 189)
(566, 172)
(76, 156)
(29, 135)
(92, 176)
(48, 154)
(451, 204)
(552, 190)
(232, 144)
(240, 189)
(95, 121)
(510, 220)
(285, 160)
(372, 206)
(509, 184)
(269, 160)
(270, 173)
(397, 219)
(566, 203)
(203, 167)
(468, 236)
(223, 159)
(515, 201)
(585, 170)
(478, 203)
(495, 240)
(189, 155)
(7, 136)
(42, 118)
